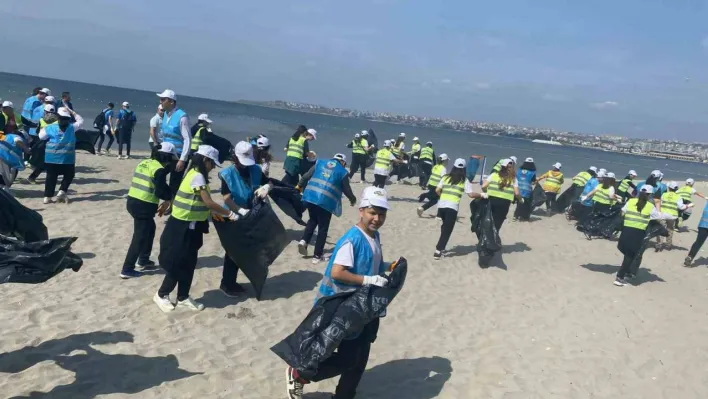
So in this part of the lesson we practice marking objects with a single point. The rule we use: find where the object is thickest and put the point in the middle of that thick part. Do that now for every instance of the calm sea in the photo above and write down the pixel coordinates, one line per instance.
(236, 121)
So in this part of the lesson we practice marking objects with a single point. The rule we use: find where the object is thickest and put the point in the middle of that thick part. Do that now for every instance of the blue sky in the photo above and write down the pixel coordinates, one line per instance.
(629, 67)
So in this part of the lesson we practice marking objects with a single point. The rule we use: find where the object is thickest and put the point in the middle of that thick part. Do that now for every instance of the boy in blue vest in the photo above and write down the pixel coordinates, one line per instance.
(60, 153)
(357, 260)
(324, 185)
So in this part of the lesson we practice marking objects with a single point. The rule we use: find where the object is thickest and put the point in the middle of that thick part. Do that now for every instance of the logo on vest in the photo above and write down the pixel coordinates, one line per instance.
(331, 164)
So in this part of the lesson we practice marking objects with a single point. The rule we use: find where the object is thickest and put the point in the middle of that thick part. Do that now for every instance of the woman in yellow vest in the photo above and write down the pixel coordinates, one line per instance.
(295, 152)
(383, 163)
(148, 187)
(638, 212)
(552, 185)
(501, 187)
(671, 204)
(183, 234)
(603, 196)
(438, 171)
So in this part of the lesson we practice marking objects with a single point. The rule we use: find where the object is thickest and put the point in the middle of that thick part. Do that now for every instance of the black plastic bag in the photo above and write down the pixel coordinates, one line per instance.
(602, 224)
(223, 145)
(254, 242)
(35, 262)
(483, 225)
(654, 229)
(289, 200)
(16, 220)
(334, 318)
(578, 211)
(539, 196)
(567, 197)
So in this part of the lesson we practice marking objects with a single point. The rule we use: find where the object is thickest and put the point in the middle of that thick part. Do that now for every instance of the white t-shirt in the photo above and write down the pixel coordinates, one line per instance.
(449, 204)
(384, 172)
(345, 254)
(155, 122)
(197, 181)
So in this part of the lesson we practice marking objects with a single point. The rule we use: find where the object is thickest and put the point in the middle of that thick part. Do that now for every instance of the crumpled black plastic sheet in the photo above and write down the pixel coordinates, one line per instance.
(602, 224)
(483, 226)
(567, 197)
(539, 196)
(16, 220)
(36, 262)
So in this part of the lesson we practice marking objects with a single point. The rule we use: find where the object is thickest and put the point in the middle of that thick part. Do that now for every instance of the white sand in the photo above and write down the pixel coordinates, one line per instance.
(549, 325)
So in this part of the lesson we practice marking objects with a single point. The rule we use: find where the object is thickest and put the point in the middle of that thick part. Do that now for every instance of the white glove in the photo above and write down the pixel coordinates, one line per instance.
(263, 191)
(375, 280)
(522, 200)
(405, 162)
(485, 195)
(583, 198)
(233, 216)
(243, 211)
(619, 199)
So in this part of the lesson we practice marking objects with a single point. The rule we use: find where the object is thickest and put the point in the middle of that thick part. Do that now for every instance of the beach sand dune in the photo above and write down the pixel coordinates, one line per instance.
(544, 321)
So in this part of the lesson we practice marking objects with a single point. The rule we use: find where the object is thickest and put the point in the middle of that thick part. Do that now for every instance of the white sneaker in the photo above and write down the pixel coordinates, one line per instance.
(302, 248)
(190, 304)
(62, 197)
(438, 219)
(163, 303)
(47, 200)
(119, 157)
(420, 211)
(293, 387)
(316, 260)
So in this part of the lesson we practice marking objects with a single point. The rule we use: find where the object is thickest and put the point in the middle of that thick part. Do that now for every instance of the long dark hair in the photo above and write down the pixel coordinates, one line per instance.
(299, 132)
(262, 155)
(592, 172)
(642, 200)
(457, 175)
(199, 163)
(608, 182)
(507, 175)
(36, 90)
(651, 180)
(529, 166)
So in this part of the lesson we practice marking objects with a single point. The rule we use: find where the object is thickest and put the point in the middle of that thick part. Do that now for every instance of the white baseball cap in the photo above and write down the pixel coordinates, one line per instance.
(416, 139)
(340, 157)
(168, 94)
(126, 104)
(444, 157)
(63, 112)
(262, 142)
(204, 117)
(600, 174)
(529, 159)
(656, 173)
(212, 153)
(460, 163)
(49, 99)
(364, 132)
(647, 188)
(387, 143)
(690, 181)
(313, 132)
(513, 159)
(374, 196)
(632, 173)
(49, 108)
(611, 175)
(673, 185)
(356, 136)
(603, 170)
(46, 91)
(429, 143)
(168, 148)
(244, 153)
(557, 165)
(401, 134)
(594, 169)
(505, 162)
(7, 104)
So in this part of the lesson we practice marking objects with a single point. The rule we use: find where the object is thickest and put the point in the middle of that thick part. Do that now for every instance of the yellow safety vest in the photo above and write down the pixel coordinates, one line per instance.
(396, 148)
(494, 190)
(427, 153)
(686, 192)
(553, 182)
(383, 160)
(197, 139)
(582, 178)
(637, 220)
(296, 148)
(624, 185)
(415, 148)
(188, 204)
(43, 123)
(668, 203)
(435, 175)
(452, 192)
(142, 186)
(602, 196)
(360, 147)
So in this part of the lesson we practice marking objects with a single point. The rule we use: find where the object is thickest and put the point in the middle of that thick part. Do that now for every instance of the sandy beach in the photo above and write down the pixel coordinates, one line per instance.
(544, 322)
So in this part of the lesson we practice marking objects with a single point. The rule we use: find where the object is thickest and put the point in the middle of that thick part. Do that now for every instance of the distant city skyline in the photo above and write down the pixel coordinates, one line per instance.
(632, 68)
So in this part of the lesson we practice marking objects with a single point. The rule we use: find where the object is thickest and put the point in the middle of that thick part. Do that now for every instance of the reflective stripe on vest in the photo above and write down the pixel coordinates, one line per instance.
(602, 196)
(296, 148)
(325, 187)
(142, 186)
(581, 179)
(197, 139)
(624, 185)
(396, 149)
(452, 192)
(415, 148)
(383, 160)
(188, 204)
(668, 203)
(435, 175)
(637, 220)
(686, 192)
(427, 153)
(494, 189)
(553, 183)
(358, 147)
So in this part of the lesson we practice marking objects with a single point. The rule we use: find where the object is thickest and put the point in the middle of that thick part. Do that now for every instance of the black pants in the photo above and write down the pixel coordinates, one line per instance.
(380, 181)
(292, 179)
(32, 140)
(125, 138)
(349, 362)
(181, 273)
(700, 239)
(425, 170)
(500, 208)
(102, 136)
(230, 273)
(625, 268)
(141, 244)
(320, 218)
(176, 180)
(598, 207)
(550, 200)
(358, 163)
(53, 172)
(449, 218)
(523, 211)
(36, 172)
(432, 197)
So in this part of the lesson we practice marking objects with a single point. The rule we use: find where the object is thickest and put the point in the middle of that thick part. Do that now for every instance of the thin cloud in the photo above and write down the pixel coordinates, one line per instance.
(604, 104)
(555, 97)
(483, 86)
(446, 81)
(704, 43)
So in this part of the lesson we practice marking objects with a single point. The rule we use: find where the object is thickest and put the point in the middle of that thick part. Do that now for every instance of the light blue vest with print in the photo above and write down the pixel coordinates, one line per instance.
(524, 178)
(170, 131)
(241, 193)
(61, 146)
(30, 104)
(589, 186)
(37, 114)
(9, 156)
(325, 187)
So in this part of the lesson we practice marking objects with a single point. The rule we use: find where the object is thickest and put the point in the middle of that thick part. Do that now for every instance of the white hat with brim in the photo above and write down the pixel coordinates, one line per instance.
(46, 91)
(312, 132)
(600, 174)
(168, 148)
(364, 132)
(341, 157)
(262, 142)
(690, 181)
(49, 99)
(460, 163)
(506, 162)
(513, 159)
(444, 157)
(610, 175)
(64, 113)
(647, 188)
(356, 136)
(656, 173)
(594, 169)
(212, 153)
(244, 153)
(374, 197)
(557, 165)
(401, 135)
(529, 159)
(416, 139)
(49, 108)
(673, 185)
(126, 104)
(7, 104)
(204, 117)
(168, 94)
(632, 173)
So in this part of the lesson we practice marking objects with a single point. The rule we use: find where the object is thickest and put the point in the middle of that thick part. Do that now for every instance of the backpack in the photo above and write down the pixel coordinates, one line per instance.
(100, 120)
(127, 120)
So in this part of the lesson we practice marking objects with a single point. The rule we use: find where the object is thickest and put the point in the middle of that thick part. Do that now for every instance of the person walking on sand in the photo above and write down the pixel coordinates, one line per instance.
(671, 204)
(383, 163)
(436, 174)
(700, 238)
(501, 188)
(427, 159)
(183, 235)
(175, 130)
(155, 126)
(296, 151)
(35, 100)
(357, 260)
(148, 187)
(552, 185)
(199, 131)
(360, 149)
(526, 178)
(324, 184)
(125, 126)
(50, 117)
(627, 183)
(107, 130)
(60, 154)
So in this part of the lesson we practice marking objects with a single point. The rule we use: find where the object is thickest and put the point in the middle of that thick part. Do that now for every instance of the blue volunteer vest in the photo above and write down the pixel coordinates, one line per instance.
(704, 218)
(12, 139)
(524, 178)
(363, 263)
(30, 104)
(241, 193)
(589, 186)
(61, 146)
(170, 131)
(37, 114)
(9, 156)
(325, 187)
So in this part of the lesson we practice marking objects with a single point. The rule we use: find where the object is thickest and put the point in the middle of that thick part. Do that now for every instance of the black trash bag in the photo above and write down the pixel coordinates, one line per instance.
(20, 222)
(85, 141)
(372, 140)
(254, 242)
(333, 318)
(36, 262)
(223, 145)
(539, 196)
(602, 224)
(483, 226)
(578, 211)
(566, 198)
(476, 212)
(288, 199)
(654, 229)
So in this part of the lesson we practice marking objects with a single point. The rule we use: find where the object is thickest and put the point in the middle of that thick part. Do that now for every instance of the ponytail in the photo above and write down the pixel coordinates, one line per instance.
(643, 199)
